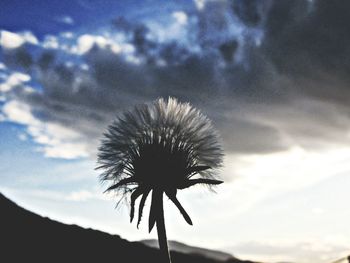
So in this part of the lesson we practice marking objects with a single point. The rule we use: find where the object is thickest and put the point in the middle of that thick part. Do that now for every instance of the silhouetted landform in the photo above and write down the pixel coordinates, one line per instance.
(343, 260)
(180, 247)
(27, 237)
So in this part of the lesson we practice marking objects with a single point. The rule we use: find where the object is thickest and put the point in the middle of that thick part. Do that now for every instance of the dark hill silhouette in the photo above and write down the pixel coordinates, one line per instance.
(28, 237)
(343, 260)
(184, 248)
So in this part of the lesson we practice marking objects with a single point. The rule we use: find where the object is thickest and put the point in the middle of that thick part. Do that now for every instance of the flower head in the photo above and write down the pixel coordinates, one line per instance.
(161, 147)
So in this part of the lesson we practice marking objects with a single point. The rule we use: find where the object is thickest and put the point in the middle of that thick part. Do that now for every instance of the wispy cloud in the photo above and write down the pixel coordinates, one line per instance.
(57, 140)
(13, 80)
(66, 20)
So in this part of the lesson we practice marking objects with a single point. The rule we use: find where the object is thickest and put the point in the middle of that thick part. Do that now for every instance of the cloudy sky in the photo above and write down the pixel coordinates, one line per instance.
(272, 75)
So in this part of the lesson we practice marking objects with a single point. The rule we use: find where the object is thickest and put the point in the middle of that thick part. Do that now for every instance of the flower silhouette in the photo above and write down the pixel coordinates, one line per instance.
(159, 147)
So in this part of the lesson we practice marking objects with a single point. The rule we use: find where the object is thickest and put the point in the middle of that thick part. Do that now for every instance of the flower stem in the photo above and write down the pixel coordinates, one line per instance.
(162, 239)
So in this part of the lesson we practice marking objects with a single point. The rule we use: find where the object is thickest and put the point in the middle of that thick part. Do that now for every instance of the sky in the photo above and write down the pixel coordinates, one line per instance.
(272, 75)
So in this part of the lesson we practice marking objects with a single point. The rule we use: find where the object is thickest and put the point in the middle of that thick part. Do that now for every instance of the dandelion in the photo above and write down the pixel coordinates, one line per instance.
(157, 149)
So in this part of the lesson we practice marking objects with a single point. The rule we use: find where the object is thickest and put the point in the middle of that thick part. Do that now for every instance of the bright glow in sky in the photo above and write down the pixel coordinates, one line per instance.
(279, 101)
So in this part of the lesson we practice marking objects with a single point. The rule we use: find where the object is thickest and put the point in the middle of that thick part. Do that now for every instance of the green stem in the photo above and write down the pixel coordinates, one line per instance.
(162, 239)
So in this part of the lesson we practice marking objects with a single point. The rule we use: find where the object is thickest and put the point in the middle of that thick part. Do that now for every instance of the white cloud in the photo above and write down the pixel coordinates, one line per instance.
(86, 195)
(318, 211)
(2, 66)
(67, 34)
(79, 45)
(260, 177)
(22, 137)
(29, 37)
(86, 42)
(180, 17)
(50, 42)
(84, 67)
(20, 113)
(56, 140)
(15, 79)
(65, 150)
(66, 20)
(10, 40)
(61, 131)
(200, 4)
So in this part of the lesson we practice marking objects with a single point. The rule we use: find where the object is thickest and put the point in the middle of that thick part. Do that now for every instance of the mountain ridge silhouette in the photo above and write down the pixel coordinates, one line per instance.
(28, 237)
(188, 249)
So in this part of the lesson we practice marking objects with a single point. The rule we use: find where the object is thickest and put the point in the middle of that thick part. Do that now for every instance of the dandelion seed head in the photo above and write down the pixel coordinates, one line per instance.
(158, 144)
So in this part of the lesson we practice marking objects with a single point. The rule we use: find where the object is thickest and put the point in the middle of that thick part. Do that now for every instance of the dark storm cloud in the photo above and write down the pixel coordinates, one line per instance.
(228, 49)
(302, 38)
(309, 43)
(249, 11)
(18, 57)
(262, 97)
(46, 59)
(137, 34)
